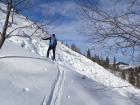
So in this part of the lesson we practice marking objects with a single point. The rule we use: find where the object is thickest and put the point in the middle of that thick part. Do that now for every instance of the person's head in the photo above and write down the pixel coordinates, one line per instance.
(53, 35)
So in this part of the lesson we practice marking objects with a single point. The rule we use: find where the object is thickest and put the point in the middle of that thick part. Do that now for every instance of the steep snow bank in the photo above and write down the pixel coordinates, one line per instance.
(29, 79)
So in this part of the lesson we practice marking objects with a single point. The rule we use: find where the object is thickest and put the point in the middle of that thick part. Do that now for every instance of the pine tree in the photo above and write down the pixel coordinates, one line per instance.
(114, 64)
(107, 62)
(88, 54)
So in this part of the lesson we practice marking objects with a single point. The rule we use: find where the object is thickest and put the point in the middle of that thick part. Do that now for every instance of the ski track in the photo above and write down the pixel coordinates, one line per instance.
(55, 95)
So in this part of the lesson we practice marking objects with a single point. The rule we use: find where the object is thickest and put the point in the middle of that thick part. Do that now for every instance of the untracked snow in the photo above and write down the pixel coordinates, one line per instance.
(27, 77)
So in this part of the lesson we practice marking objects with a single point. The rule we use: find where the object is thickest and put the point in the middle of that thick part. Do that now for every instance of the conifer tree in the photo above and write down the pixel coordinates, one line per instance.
(107, 61)
(114, 63)
(88, 54)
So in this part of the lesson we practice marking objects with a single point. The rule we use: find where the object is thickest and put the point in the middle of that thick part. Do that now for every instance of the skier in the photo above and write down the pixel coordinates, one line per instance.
(52, 45)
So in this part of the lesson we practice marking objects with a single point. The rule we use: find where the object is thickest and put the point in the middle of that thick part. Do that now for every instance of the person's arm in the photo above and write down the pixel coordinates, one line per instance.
(46, 38)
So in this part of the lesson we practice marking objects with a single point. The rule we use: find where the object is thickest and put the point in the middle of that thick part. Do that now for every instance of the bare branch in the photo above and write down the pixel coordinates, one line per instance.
(104, 25)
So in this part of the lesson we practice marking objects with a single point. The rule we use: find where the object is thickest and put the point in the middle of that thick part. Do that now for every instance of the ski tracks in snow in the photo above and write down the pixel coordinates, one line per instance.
(54, 96)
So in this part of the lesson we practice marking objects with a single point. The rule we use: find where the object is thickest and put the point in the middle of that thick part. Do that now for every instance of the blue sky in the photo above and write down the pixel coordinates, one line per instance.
(67, 22)
(64, 16)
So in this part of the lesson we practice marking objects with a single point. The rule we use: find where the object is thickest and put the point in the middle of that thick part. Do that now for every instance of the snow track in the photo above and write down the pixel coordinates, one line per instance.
(39, 58)
(55, 95)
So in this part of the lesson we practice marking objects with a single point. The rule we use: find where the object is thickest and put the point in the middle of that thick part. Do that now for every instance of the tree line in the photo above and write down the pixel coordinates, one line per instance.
(131, 74)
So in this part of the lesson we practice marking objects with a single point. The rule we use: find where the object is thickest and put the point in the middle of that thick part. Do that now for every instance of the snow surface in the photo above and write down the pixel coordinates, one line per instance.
(27, 77)
(125, 67)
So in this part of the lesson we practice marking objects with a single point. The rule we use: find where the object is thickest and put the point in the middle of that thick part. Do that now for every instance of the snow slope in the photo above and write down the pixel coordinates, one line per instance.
(28, 78)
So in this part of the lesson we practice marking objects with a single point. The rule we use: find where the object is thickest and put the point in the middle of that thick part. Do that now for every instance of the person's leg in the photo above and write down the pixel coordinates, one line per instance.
(53, 53)
(48, 51)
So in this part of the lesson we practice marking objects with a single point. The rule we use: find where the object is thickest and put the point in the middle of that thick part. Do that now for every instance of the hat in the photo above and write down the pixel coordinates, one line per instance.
(53, 35)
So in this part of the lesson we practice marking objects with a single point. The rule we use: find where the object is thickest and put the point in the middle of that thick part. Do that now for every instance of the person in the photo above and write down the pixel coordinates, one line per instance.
(52, 45)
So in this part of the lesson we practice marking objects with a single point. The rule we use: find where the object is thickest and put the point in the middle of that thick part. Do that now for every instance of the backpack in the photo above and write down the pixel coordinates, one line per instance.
(53, 42)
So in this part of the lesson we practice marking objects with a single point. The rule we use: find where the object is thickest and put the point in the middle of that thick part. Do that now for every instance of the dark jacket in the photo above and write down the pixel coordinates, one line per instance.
(53, 41)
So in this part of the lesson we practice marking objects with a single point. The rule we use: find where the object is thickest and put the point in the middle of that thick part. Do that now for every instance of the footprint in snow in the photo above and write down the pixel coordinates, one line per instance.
(68, 96)
(25, 89)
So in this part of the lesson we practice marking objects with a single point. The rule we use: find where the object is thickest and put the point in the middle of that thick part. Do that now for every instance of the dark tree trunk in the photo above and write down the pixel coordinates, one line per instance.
(3, 35)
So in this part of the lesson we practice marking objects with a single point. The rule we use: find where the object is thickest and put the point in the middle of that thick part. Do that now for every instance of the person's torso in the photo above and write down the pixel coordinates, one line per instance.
(53, 42)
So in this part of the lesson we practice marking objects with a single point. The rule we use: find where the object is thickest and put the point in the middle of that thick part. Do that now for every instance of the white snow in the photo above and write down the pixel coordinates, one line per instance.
(27, 77)
(125, 67)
